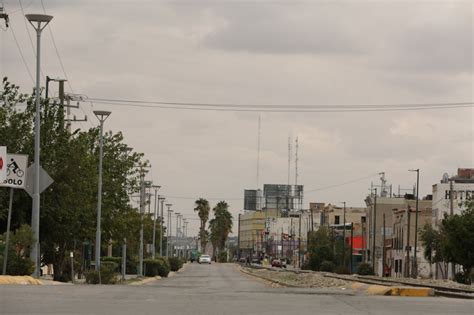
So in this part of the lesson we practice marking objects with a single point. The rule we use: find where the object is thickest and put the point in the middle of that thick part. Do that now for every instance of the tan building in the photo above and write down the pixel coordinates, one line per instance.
(384, 208)
(399, 247)
(252, 228)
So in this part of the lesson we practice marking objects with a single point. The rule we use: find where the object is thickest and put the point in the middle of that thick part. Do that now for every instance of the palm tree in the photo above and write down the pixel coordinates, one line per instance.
(220, 226)
(203, 209)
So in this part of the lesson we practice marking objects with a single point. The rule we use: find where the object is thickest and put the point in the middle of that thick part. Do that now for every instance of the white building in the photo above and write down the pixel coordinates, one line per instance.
(461, 187)
(448, 197)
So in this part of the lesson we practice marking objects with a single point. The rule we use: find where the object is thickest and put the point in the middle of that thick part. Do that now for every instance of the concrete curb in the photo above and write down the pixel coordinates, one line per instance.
(150, 279)
(392, 291)
(22, 280)
(145, 280)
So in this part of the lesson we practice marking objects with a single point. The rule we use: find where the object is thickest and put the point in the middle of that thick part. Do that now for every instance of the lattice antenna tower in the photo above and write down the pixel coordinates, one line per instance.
(296, 164)
(258, 150)
(289, 158)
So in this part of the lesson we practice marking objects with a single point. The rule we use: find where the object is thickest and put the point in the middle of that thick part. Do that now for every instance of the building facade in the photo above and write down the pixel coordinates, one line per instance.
(380, 214)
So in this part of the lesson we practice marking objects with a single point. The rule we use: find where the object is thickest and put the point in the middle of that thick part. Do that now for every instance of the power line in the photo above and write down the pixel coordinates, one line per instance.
(306, 191)
(283, 108)
(27, 29)
(342, 184)
(21, 54)
(61, 63)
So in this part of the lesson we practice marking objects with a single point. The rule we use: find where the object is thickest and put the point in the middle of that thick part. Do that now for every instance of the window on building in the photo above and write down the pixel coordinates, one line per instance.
(337, 219)
(362, 219)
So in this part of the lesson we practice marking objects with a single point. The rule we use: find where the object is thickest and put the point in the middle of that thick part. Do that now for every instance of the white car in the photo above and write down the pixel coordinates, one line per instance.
(206, 259)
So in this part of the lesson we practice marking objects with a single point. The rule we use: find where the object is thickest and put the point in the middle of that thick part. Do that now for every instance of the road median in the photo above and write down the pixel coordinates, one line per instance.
(21, 280)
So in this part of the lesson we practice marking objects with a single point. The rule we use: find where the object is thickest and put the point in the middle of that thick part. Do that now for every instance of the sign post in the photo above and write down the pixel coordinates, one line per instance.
(15, 171)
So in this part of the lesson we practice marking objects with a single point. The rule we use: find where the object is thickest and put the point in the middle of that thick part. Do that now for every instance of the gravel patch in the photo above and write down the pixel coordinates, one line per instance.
(303, 280)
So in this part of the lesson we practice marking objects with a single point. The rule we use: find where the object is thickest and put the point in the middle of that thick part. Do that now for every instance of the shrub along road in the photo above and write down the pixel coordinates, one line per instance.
(212, 289)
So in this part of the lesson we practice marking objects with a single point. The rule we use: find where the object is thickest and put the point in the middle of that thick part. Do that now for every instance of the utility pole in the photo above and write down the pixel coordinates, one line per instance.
(177, 230)
(407, 263)
(364, 240)
(153, 250)
(415, 263)
(451, 212)
(168, 236)
(352, 244)
(35, 213)
(383, 248)
(238, 239)
(299, 242)
(344, 237)
(375, 230)
(102, 116)
(162, 221)
(142, 211)
(7, 238)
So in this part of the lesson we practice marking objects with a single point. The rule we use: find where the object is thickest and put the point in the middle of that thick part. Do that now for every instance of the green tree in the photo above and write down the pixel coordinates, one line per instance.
(319, 248)
(452, 241)
(203, 209)
(19, 262)
(220, 226)
(68, 206)
(432, 245)
(458, 238)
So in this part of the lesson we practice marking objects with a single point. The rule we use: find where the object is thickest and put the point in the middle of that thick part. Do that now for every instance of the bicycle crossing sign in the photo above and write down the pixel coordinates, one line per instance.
(16, 165)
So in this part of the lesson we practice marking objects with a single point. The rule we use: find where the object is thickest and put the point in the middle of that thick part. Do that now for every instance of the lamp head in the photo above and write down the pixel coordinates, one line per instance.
(39, 18)
(102, 114)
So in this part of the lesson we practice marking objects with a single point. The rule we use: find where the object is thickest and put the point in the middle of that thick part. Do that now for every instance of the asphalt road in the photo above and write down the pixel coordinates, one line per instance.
(212, 289)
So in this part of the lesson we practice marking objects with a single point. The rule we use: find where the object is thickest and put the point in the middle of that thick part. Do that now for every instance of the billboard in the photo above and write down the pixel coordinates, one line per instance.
(252, 199)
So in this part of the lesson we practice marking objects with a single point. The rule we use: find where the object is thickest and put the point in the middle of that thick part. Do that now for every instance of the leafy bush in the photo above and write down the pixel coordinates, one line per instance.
(19, 263)
(156, 267)
(107, 274)
(222, 257)
(175, 263)
(460, 277)
(365, 270)
(327, 266)
(116, 260)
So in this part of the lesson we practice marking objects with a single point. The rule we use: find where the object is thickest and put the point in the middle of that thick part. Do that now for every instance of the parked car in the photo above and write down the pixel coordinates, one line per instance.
(204, 259)
(256, 260)
(280, 263)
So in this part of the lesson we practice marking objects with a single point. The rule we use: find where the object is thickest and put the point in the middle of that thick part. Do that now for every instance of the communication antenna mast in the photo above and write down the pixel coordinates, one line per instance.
(289, 158)
(296, 167)
(383, 185)
(4, 15)
(258, 151)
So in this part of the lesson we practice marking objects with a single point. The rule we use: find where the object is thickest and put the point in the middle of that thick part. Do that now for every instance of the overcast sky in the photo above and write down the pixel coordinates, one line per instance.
(266, 52)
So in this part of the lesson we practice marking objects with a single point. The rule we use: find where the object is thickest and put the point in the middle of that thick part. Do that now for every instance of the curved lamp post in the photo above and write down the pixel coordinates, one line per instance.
(102, 116)
(39, 22)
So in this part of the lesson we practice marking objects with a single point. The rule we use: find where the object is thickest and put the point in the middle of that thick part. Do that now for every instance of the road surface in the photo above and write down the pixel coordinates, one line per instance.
(212, 289)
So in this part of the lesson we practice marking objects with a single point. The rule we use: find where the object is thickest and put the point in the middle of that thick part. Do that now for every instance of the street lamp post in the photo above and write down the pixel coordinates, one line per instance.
(374, 230)
(177, 231)
(154, 219)
(344, 237)
(102, 116)
(162, 221)
(39, 22)
(415, 263)
(168, 231)
(124, 245)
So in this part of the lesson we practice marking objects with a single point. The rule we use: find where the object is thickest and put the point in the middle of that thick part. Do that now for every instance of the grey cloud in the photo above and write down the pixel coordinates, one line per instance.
(282, 29)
